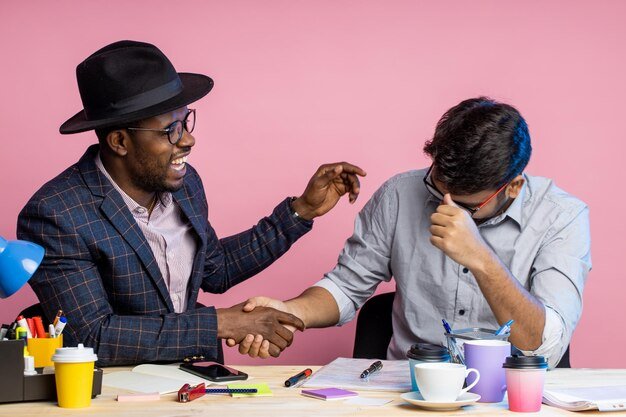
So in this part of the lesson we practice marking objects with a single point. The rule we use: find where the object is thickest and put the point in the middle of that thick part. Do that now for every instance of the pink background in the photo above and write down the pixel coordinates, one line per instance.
(301, 83)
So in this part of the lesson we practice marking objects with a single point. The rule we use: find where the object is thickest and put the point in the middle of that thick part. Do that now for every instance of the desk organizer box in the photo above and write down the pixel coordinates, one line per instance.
(15, 386)
(471, 333)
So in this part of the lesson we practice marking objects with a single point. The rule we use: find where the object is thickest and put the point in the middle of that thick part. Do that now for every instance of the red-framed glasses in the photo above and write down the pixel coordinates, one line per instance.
(434, 191)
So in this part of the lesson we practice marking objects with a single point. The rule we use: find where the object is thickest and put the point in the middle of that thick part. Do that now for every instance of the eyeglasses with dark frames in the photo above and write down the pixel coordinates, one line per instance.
(175, 129)
(434, 191)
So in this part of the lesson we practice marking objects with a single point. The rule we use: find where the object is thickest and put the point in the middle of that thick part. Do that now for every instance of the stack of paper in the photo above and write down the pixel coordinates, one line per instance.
(581, 399)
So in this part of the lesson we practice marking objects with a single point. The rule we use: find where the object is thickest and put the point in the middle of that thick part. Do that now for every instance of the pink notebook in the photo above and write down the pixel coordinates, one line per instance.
(329, 393)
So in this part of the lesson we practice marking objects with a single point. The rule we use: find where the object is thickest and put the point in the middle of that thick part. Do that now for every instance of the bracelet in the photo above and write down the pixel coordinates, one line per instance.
(294, 213)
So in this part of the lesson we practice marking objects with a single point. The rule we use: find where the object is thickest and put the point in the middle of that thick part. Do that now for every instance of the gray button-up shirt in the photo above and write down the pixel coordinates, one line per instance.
(543, 239)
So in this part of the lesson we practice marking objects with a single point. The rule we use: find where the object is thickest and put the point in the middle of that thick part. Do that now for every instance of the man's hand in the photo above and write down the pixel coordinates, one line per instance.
(253, 344)
(233, 323)
(454, 232)
(325, 188)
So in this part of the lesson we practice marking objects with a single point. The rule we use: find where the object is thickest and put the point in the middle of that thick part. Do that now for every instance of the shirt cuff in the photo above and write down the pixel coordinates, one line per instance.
(345, 305)
(553, 344)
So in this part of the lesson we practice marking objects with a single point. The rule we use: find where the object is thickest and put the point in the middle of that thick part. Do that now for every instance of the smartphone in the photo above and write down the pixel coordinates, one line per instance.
(213, 371)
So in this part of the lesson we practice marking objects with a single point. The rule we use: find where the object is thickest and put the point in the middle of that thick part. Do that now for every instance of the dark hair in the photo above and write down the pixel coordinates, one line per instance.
(479, 145)
(104, 132)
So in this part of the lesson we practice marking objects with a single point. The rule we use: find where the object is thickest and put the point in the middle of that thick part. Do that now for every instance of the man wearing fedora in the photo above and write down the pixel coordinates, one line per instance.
(126, 231)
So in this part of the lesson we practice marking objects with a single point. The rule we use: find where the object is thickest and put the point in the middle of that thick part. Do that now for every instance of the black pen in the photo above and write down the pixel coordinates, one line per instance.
(376, 366)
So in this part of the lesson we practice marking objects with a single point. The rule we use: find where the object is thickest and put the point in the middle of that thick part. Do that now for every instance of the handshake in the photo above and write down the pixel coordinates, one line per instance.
(262, 327)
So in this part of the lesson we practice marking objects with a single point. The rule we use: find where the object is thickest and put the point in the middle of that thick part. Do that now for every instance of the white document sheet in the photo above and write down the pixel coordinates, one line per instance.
(346, 373)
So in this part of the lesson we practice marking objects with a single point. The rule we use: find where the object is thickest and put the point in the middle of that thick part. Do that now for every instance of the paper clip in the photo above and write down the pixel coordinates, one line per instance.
(189, 393)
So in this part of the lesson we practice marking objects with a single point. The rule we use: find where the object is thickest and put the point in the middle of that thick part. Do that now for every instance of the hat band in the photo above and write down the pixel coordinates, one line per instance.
(138, 102)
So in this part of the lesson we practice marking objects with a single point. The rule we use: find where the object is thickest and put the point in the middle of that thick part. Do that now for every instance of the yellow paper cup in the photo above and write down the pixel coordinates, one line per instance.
(43, 349)
(73, 368)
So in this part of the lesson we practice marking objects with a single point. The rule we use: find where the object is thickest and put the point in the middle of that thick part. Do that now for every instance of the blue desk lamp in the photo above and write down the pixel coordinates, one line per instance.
(18, 261)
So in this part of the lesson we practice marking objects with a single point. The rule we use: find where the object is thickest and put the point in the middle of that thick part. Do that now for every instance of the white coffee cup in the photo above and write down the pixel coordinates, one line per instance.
(443, 382)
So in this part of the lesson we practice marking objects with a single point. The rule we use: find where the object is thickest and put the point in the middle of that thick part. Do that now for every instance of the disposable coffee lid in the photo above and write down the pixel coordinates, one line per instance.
(525, 362)
(427, 352)
(74, 354)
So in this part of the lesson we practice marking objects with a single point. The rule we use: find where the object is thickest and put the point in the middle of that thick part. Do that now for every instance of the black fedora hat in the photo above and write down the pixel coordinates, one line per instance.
(128, 81)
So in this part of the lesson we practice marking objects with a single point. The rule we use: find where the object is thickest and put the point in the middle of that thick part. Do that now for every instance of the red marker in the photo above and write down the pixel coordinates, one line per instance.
(298, 377)
(39, 327)
(31, 327)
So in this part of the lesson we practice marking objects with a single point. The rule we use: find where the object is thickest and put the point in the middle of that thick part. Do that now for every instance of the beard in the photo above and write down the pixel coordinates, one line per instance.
(152, 175)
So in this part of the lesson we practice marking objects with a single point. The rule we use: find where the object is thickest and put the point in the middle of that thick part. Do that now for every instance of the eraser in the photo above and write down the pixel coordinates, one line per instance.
(128, 398)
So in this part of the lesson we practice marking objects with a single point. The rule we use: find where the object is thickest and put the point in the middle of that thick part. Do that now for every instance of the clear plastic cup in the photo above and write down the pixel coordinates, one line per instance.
(73, 368)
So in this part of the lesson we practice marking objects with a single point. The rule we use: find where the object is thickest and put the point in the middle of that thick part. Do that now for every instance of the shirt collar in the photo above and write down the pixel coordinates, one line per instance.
(514, 212)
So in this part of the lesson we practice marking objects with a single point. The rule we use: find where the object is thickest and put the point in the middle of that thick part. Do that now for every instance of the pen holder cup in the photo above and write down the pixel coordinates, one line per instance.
(472, 333)
(43, 348)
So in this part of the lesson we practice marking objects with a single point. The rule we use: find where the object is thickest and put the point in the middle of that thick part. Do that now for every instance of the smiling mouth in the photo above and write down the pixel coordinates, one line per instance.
(179, 164)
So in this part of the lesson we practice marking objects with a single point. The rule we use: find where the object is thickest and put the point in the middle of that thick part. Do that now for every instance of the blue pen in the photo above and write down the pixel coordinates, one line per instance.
(456, 354)
(446, 326)
(505, 328)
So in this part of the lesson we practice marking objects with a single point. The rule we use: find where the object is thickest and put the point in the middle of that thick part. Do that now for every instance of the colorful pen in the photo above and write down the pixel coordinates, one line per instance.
(57, 317)
(58, 329)
(231, 391)
(446, 326)
(38, 322)
(298, 377)
(21, 321)
(505, 328)
(457, 356)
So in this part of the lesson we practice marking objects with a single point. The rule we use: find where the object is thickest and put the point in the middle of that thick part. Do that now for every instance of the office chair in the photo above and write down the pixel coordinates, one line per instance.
(374, 331)
(36, 310)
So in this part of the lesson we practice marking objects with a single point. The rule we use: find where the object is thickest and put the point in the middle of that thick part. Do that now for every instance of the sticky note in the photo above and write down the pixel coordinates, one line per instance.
(263, 390)
(329, 393)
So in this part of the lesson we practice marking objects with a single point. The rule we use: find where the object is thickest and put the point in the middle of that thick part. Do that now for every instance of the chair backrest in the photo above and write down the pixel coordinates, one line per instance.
(373, 327)
(374, 330)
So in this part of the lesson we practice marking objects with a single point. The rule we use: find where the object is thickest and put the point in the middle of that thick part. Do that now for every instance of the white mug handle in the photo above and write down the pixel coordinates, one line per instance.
(469, 387)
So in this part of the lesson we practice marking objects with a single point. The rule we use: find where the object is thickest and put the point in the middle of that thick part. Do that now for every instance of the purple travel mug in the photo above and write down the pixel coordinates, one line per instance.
(487, 356)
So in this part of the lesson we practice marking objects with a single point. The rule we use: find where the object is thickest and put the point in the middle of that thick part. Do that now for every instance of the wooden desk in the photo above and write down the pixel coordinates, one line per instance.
(289, 403)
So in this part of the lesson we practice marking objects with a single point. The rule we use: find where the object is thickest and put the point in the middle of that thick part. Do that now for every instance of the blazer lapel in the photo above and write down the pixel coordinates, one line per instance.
(117, 212)
(183, 198)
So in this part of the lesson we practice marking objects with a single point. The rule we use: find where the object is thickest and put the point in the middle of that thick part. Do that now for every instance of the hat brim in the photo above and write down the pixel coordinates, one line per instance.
(195, 86)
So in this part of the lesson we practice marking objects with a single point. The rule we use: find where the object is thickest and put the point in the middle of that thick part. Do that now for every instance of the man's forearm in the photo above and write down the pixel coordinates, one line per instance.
(510, 300)
(316, 307)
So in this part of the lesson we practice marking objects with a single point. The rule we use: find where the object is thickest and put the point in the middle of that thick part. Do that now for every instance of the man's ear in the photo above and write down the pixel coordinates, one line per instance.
(118, 141)
(515, 187)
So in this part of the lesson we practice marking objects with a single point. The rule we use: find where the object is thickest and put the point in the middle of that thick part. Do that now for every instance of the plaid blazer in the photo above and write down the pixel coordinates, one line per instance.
(100, 270)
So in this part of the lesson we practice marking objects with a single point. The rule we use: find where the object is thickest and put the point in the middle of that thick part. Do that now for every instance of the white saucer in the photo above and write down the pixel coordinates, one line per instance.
(416, 398)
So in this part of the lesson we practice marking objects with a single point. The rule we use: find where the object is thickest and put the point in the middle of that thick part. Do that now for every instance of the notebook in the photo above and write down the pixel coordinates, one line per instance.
(579, 399)
(329, 393)
(149, 378)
